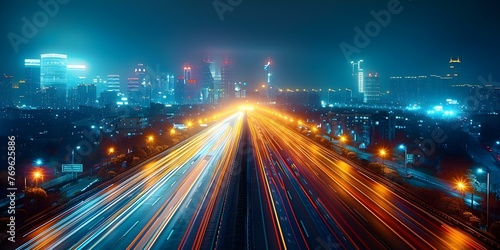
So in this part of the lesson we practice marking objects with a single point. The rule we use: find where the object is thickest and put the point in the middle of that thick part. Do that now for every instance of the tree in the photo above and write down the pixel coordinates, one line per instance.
(35, 193)
(142, 154)
(454, 205)
(467, 215)
(376, 167)
(474, 221)
(352, 156)
(495, 229)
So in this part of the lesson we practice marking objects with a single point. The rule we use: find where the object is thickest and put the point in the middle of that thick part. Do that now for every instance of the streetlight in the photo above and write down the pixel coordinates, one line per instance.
(73, 157)
(38, 162)
(487, 195)
(461, 187)
(37, 175)
(402, 146)
(111, 150)
(150, 138)
(498, 145)
(343, 139)
(382, 153)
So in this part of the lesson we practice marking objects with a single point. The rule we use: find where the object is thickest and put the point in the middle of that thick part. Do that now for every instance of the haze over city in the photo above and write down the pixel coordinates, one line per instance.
(300, 37)
(238, 124)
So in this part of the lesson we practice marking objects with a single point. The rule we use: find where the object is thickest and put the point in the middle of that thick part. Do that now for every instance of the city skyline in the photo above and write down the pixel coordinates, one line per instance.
(237, 124)
(288, 38)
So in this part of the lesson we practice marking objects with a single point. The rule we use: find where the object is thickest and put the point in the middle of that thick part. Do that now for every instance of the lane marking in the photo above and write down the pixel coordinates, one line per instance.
(170, 234)
(156, 201)
(307, 234)
(131, 228)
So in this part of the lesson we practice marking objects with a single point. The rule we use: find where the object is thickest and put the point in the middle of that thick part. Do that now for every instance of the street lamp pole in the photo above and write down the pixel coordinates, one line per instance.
(73, 158)
(487, 196)
(487, 199)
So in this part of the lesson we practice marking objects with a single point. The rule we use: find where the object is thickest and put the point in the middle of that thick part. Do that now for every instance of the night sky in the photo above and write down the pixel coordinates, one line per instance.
(302, 38)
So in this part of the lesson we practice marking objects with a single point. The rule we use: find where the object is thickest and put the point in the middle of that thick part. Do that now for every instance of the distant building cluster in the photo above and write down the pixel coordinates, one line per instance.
(428, 91)
(50, 82)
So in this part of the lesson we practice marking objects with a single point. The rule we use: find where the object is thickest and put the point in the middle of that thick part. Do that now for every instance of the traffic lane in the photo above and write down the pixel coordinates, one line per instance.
(263, 227)
(266, 217)
(295, 141)
(342, 216)
(426, 231)
(308, 217)
(126, 181)
(191, 184)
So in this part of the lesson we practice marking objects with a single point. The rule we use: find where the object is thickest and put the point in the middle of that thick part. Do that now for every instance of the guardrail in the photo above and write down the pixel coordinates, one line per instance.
(424, 205)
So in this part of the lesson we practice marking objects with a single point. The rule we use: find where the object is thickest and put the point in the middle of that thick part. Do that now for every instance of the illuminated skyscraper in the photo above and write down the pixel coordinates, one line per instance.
(358, 76)
(180, 91)
(113, 83)
(100, 85)
(140, 72)
(227, 84)
(454, 67)
(187, 74)
(76, 75)
(270, 85)
(454, 71)
(32, 80)
(6, 89)
(132, 84)
(372, 89)
(207, 81)
(217, 81)
(53, 73)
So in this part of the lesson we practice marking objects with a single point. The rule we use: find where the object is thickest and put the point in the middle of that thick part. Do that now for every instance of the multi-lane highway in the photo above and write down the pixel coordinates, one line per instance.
(301, 196)
(164, 204)
(311, 197)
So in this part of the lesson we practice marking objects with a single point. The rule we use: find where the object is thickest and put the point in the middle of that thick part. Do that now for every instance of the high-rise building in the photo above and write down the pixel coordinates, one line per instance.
(227, 84)
(454, 68)
(267, 69)
(207, 81)
(217, 81)
(53, 73)
(6, 91)
(91, 95)
(140, 72)
(410, 89)
(113, 83)
(145, 85)
(358, 76)
(133, 91)
(100, 84)
(82, 95)
(372, 89)
(132, 84)
(76, 75)
(32, 80)
(453, 74)
(240, 90)
(187, 74)
(180, 91)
